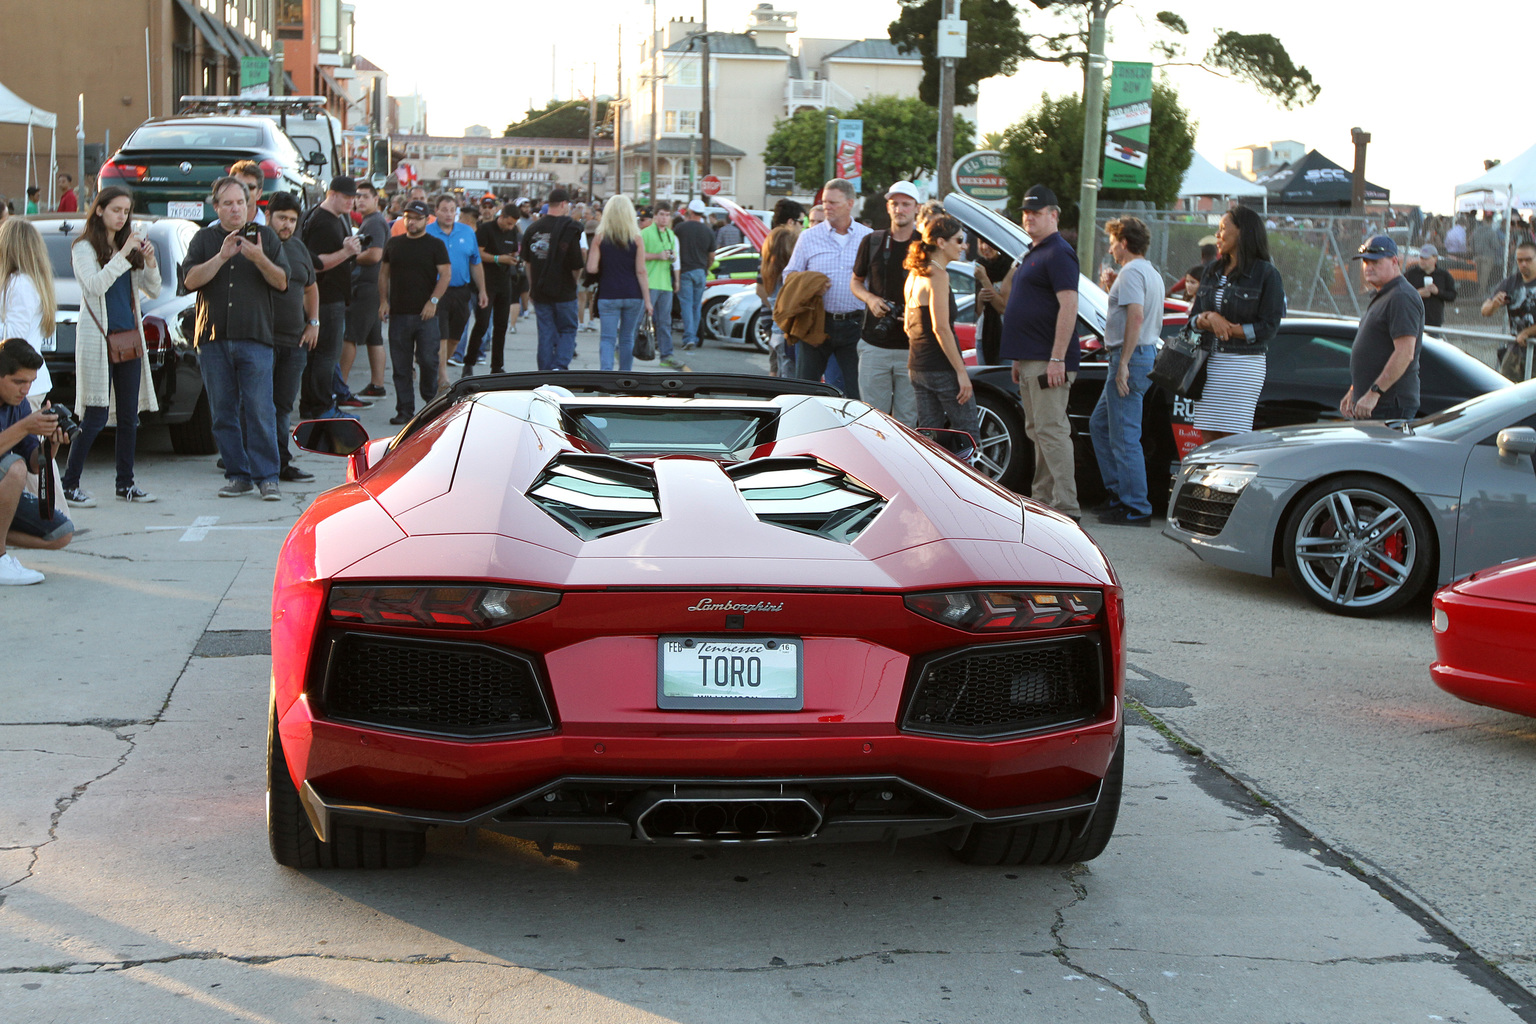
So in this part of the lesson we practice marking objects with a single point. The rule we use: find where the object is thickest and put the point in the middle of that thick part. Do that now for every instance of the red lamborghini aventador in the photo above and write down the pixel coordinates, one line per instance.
(677, 609)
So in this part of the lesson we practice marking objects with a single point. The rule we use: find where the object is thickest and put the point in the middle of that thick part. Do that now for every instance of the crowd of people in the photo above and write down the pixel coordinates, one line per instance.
(287, 297)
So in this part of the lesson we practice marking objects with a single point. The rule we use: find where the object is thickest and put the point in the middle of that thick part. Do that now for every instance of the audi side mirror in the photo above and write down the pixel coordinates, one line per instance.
(958, 443)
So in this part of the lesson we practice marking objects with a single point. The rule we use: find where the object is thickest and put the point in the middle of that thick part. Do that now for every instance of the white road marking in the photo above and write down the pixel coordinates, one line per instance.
(202, 524)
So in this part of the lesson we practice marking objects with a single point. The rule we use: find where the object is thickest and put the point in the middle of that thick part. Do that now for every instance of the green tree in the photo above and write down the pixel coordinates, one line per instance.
(1046, 147)
(997, 42)
(899, 138)
(560, 119)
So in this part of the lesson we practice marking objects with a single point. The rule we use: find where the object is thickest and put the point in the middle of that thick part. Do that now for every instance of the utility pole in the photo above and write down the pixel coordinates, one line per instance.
(1093, 133)
(653, 102)
(1361, 139)
(704, 90)
(616, 108)
(950, 48)
(592, 138)
(830, 149)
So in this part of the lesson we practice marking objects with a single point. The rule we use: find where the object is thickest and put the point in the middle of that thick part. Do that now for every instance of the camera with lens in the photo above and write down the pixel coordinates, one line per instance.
(890, 328)
(67, 421)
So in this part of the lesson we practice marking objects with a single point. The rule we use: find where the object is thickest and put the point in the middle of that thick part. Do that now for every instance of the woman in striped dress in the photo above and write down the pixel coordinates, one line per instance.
(1237, 310)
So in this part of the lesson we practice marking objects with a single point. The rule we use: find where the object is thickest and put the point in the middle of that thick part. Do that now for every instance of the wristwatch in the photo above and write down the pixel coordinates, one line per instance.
(1377, 388)
(432, 299)
(313, 323)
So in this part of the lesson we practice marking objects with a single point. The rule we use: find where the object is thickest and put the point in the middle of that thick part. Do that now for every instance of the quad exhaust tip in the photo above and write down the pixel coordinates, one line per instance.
(729, 817)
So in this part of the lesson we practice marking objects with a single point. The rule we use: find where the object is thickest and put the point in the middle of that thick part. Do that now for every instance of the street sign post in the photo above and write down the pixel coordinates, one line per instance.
(709, 185)
(779, 180)
(980, 176)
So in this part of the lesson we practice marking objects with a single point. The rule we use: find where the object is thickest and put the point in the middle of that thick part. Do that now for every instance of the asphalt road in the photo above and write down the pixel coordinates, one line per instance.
(1389, 869)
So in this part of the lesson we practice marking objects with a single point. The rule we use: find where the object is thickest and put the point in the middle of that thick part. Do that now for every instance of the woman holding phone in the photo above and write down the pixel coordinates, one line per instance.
(114, 263)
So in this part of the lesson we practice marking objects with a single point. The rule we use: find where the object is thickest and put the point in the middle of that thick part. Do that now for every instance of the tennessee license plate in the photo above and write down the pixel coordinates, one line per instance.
(745, 673)
(191, 211)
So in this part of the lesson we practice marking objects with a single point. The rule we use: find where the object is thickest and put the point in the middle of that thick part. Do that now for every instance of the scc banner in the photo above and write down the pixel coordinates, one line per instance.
(1129, 126)
(849, 163)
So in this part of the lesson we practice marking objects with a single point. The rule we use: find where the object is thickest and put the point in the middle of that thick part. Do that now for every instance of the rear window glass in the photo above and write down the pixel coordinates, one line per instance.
(635, 431)
(198, 136)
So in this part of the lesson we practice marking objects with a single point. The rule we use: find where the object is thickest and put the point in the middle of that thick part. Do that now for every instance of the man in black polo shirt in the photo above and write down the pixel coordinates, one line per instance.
(327, 234)
(879, 281)
(499, 241)
(1384, 360)
(235, 268)
(412, 279)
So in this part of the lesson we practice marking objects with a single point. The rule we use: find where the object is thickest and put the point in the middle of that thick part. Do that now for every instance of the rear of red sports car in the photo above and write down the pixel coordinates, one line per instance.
(608, 614)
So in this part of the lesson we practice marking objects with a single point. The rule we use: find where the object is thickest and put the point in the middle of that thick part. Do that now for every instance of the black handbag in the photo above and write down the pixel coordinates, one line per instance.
(1180, 365)
(645, 341)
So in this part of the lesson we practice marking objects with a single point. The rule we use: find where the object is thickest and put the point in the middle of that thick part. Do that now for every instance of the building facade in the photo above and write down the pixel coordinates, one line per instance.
(193, 48)
(507, 166)
(756, 78)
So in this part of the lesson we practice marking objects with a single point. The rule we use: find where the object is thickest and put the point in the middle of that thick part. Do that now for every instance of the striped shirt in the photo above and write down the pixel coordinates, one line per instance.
(825, 252)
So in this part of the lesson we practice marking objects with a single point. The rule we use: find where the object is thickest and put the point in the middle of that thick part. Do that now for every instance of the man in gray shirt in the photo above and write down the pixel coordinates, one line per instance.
(363, 326)
(1130, 336)
(1384, 360)
(695, 252)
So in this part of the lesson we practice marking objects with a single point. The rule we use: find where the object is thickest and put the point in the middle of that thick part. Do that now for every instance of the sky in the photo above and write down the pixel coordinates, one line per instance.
(1430, 98)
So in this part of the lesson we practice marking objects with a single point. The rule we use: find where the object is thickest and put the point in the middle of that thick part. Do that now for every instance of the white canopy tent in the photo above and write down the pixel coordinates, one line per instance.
(15, 110)
(1206, 179)
(1513, 182)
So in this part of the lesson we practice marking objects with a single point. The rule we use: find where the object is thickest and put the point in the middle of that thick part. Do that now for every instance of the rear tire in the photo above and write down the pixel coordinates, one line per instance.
(294, 843)
(195, 436)
(1050, 842)
(760, 331)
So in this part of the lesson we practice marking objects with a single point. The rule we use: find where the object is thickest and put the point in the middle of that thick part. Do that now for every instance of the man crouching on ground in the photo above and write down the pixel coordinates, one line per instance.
(21, 518)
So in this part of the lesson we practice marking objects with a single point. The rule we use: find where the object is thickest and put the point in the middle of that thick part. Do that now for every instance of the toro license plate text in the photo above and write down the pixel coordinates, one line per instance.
(753, 673)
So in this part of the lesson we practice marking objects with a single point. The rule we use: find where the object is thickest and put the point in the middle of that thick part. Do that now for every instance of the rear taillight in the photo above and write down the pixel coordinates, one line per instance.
(271, 169)
(124, 172)
(446, 606)
(989, 611)
(157, 334)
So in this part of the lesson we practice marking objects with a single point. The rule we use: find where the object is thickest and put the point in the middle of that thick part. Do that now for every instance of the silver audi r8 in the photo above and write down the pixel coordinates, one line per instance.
(1364, 516)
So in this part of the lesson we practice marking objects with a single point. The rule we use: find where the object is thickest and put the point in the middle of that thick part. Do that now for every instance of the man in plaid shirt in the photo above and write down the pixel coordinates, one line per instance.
(831, 248)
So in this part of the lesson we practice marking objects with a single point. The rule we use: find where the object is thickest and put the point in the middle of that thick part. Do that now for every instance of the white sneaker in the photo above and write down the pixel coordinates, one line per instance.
(14, 574)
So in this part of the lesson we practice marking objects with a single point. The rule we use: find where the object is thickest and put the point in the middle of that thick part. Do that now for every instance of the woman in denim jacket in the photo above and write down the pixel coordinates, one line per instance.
(1237, 310)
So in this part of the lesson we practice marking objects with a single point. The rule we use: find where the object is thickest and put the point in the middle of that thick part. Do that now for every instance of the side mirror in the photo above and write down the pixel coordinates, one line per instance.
(316, 160)
(330, 437)
(958, 443)
(1515, 441)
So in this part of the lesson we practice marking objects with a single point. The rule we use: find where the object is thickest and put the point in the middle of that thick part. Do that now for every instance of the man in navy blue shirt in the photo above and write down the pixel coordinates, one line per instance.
(464, 257)
(1040, 337)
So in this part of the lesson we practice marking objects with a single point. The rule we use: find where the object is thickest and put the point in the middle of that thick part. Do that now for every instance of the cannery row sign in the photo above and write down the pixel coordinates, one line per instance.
(1129, 126)
(504, 175)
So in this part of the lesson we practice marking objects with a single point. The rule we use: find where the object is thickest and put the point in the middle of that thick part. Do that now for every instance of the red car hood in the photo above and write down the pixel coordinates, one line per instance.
(457, 490)
(1513, 581)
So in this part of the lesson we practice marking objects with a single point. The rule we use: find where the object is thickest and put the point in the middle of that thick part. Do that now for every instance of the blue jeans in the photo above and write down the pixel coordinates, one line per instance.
(288, 362)
(619, 319)
(937, 393)
(413, 341)
(690, 293)
(557, 334)
(237, 375)
(124, 381)
(842, 344)
(1116, 429)
(661, 316)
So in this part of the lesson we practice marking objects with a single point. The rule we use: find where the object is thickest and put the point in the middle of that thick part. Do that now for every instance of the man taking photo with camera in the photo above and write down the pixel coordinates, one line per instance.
(21, 516)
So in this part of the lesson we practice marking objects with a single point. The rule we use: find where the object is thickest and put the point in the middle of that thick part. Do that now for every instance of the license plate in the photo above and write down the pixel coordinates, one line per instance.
(51, 343)
(751, 673)
(191, 211)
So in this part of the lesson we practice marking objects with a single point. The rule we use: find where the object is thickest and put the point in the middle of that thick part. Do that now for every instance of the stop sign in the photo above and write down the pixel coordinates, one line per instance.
(709, 185)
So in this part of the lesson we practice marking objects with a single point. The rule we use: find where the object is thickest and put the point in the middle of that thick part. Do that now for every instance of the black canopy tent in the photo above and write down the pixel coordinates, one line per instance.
(1314, 180)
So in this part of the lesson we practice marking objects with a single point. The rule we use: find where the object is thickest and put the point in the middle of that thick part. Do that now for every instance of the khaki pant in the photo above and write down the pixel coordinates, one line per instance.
(1045, 421)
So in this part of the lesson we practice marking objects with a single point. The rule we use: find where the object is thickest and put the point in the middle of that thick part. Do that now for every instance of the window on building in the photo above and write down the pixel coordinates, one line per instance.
(680, 122)
(683, 70)
(517, 163)
(330, 25)
(290, 19)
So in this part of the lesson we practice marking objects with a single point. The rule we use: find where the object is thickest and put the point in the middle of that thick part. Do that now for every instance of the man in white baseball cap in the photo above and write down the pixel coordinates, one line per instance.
(879, 281)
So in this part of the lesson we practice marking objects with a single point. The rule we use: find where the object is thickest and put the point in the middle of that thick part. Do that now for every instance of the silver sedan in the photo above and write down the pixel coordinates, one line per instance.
(1364, 516)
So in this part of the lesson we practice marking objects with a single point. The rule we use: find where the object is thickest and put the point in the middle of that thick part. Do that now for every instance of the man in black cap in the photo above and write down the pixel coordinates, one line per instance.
(327, 234)
(1384, 360)
(413, 277)
(1040, 338)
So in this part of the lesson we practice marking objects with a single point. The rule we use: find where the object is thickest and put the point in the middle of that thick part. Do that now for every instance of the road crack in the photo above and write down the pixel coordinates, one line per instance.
(1063, 953)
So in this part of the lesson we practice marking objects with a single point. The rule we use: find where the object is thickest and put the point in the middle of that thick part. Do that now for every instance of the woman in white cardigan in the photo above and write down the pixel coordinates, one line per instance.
(113, 266)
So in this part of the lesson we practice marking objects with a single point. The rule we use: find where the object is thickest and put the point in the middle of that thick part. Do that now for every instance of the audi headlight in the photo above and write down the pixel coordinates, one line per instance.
(1227, 479)
(1001, 611)
(461, 607)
